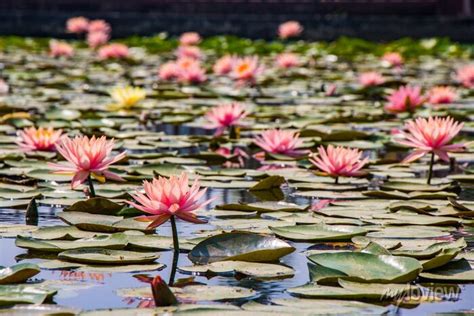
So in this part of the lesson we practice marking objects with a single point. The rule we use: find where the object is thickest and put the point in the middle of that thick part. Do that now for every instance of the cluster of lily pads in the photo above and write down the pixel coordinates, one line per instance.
(316, 145)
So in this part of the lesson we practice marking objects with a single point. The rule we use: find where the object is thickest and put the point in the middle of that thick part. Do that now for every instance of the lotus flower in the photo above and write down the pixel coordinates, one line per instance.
(225, 116)
(42, 139)
(282, 142)
(287, 60)
(370, 79)
(465, 75)
(99, 26)
(393, 59)
(77, 25)
(431, 135)
(168, 71)
(186, 63)
(165, 198)
(58, 49)
(289, 29)
(339, 161)
(87, 157)
(189, 39)
(96, 39)
(405, 99)
(192, 75)
(442, 95)
(189, 52)
(246, 70)
(126, 97)
(224, 65)
(114, 50)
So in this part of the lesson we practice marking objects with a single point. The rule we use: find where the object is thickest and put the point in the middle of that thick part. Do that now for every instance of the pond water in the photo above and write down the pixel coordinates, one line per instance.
(89, 286)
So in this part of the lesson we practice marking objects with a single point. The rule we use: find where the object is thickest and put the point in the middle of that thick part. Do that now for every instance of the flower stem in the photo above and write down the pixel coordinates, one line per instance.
(176, 250)
(91, 186)
(337, 180)
(430, 172)
(175, 234)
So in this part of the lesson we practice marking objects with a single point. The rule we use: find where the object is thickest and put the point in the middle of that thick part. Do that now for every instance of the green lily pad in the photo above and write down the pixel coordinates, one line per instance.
(251, 269)
(23, 294)
(366, 267)
(268, 183)
(318, 232)
(195, 293)
(18, 273)
(113, 241)
(264, 207)
(97, 205)
(239, 246)
(455, 271)
(106, 256)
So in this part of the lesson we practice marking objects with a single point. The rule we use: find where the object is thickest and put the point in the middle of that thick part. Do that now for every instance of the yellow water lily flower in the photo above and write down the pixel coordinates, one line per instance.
(126, 97)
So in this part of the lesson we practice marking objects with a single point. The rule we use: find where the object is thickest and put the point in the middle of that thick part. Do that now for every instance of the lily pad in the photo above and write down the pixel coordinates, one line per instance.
(18, 273)
(114, 241)
(366, 267)
(239, 246)
(106, 256)
(318, 232)
(251, 269)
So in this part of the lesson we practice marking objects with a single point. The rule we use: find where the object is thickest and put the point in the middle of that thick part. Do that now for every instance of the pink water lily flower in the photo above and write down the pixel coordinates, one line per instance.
(431, 135)
(168, 71)
(405, 99)
(287, 60)
(189, 39)
(96, 39)
(246, 70)
(339, 161)
(99, 26)
(86, 157)
(42, 139)
(224, 65)
(394, 59)
(284, 142)
(60, 49)
(465, 76)
(77, 25)
(442, 95)
(189, 52)
(192, 75)
(164, 198)
(113, 51)
(289, 29)
(226, 115)
(370, 79)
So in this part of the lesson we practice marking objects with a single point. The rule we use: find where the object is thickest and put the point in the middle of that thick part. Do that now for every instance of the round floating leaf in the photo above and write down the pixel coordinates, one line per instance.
(318, 232)
(23, 294)
(455, 271)
(61, 232)
(106, 256)
(195, 293)
(18, 273)
(365, 267)
(251, 269)
(96, 205)
(40, 310)
(114, 241)
(239, 246)
(264, 207)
